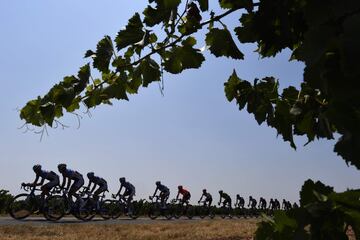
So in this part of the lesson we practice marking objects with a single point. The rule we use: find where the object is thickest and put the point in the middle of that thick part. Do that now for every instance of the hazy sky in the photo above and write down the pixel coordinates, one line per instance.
(191, 136)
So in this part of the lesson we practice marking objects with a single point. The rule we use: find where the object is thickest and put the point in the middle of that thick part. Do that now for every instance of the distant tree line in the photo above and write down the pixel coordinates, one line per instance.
(5, 198)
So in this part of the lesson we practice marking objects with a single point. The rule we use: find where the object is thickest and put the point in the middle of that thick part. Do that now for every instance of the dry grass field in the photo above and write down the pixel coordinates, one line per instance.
(204, 230)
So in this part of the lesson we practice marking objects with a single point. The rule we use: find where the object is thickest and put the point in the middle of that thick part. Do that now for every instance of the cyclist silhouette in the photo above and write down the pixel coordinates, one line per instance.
(226, 197)
(164, 192)
(68, 176)
(129, 190)
(41, 176)
(240, 202)
(262, 203)
(252, 202)
(96, 181)
(185, 195)
(207, 196)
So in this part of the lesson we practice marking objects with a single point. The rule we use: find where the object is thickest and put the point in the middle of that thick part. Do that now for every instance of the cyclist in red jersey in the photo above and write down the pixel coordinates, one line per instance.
(185, 195)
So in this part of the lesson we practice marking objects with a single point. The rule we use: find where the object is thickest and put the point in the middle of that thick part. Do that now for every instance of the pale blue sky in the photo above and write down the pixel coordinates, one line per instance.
(192, 136)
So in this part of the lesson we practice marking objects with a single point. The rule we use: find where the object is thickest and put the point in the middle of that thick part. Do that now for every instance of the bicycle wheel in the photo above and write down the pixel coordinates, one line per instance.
(230, 213)
(55, 207)
(167, 212)
(203, 211)
(22, 206)
(257, 213)
(154, 211)
(190, 211)
(105, 209)
(225, 212)
(134, 210)
(118, 209)
(250, 213)
(238, 212)
(211, 212)
(177, 210)
(85, 210)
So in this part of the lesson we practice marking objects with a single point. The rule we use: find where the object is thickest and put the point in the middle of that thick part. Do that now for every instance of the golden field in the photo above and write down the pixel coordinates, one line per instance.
(194, 230)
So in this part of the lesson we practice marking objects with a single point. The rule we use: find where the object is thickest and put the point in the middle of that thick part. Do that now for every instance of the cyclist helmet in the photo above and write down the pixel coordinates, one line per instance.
(90, 175)
(37, 168)
(204, 190)
(221, 191)
(180, 187)
(122, 179)
(237, 195)
(62, 167)
(158, 183)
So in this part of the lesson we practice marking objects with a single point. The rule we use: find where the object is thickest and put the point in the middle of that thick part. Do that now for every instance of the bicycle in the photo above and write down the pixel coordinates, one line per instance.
(253, 212)
(205, 210)
(240, 211)
(62, 205)
(120, 206)
(88, 208)
(180, 209)
(25, 204)
(226, 211)
(157, 208)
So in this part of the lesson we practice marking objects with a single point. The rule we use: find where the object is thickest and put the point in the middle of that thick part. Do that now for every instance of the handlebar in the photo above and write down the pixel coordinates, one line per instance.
(202, 201)
(152, 198)
(56, 190)
(27, 188)
(85, 191)
(121, 196)
(175, 200)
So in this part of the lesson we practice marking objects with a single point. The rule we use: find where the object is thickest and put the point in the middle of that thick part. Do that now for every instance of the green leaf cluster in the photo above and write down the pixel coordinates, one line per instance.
(64, 95)
(324, 214)
(291, 113)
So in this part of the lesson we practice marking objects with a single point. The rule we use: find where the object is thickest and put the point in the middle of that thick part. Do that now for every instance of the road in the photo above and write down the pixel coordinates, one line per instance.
(5, 221)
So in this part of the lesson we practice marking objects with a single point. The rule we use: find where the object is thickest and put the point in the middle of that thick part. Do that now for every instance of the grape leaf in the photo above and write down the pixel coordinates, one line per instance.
(231, 86)
(221, 43)
(307, 191)
(161, 13)
(204, 5)
(150, 71)
(104, 52)
(183, 57)
(132, 33)
(235, 4)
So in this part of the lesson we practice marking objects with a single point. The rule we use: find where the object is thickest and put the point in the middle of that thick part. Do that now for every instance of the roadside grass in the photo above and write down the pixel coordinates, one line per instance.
(195, 230)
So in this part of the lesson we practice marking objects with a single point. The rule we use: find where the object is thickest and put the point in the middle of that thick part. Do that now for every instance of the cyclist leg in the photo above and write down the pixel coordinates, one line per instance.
(45, 189)
(167, 195)
(129, 200)
(186, 199)
(162, 198)
(74, 188)
(97, 193)
(131, 197)
(209, 202)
